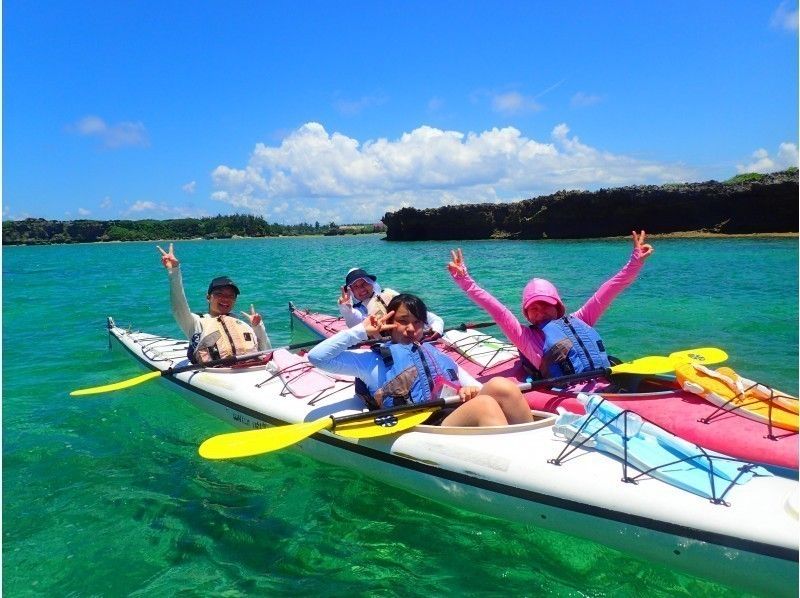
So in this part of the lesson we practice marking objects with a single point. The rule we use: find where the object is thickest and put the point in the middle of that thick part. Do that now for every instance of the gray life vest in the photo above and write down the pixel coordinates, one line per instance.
(235, 338)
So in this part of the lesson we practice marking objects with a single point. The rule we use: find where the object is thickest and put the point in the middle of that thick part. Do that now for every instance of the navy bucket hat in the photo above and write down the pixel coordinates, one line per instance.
(357, 273)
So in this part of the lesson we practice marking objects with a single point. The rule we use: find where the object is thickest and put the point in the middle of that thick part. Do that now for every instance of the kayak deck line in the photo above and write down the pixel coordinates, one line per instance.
(651, 450)
(736, 404)
(481, 348)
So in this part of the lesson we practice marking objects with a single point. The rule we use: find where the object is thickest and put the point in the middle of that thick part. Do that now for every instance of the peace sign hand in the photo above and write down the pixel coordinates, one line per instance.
(639, 246)
(457, 266)
(345, 296)
(168, 257)
(375, 325)
(255, 319)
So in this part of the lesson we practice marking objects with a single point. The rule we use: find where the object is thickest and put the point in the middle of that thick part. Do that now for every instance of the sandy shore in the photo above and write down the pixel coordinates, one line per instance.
(705, 235)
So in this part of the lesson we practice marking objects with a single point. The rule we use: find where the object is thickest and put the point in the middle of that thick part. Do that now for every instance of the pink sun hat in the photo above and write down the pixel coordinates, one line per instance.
(539, 289)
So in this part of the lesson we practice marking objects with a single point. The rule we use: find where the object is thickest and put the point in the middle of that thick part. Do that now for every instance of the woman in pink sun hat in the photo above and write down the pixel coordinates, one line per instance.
(555, 343)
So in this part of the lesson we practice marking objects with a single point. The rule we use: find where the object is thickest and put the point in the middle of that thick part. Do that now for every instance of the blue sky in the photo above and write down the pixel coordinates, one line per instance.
(342, 111)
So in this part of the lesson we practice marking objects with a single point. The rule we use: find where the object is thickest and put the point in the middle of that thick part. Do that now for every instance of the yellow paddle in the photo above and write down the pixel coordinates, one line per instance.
(374, 423)
(225, 361)
(119, 385)
(653, 364)
(381, 422)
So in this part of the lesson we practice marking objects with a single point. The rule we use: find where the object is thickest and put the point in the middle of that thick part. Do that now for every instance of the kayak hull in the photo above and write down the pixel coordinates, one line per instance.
(657, 400)
(504, 472)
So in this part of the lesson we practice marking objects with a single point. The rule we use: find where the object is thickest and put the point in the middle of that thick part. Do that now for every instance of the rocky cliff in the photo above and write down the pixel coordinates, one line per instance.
(745, 204)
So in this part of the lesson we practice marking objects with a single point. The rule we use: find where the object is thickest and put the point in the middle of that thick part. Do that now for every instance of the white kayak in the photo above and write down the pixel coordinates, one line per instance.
(748, 541)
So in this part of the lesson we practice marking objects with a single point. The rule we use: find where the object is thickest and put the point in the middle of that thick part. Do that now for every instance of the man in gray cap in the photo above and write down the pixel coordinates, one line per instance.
(215, 334)
(362, 296)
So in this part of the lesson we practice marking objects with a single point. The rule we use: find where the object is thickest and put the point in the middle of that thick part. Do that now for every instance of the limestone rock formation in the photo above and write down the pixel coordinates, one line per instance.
(768, 204)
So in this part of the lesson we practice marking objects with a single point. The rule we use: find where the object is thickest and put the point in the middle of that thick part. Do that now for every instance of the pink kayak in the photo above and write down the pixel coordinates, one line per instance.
(657, 399)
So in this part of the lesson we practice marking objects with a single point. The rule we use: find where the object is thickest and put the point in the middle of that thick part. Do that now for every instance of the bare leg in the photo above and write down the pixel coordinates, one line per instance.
(509, 397)
(482, 410)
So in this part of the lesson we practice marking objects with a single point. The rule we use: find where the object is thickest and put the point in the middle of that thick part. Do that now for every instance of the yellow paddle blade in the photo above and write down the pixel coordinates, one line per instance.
(703, 355)
(654, 364)
(370, 427)
(256, 442)
(116, 385)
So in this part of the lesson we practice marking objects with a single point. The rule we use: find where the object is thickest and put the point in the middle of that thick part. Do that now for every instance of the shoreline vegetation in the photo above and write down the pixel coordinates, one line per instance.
(39, 231)
(746, 205)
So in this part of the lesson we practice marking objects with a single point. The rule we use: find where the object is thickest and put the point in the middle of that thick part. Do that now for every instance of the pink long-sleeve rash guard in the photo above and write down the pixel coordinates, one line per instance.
(530, 342)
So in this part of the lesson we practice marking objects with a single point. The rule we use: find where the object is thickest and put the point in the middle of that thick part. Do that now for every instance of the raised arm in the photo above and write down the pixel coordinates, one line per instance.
(591, 311)
(188, 322)
(333, 355)
(505, 319)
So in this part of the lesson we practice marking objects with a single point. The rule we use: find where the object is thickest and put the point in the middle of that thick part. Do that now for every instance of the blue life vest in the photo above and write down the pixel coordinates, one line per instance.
(570, 346)
(411, 375)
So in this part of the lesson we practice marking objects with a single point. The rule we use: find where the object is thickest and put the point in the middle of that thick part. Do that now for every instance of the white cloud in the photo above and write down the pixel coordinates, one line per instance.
(435, 104)
(111, 136)
(582, 100)
(514, 102)
(190, 187)
(354, 107)
(351, 181)
(106, 202)
(83, 212)
(145, 208)
(9, 215)
(785, 17)
(762, 162)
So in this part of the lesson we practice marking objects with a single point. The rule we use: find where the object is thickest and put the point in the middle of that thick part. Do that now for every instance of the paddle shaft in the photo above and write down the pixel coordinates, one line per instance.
(233, 359)
(703, 354)
(626, 368)
(381, 413)
(471, 325)
(579, 377)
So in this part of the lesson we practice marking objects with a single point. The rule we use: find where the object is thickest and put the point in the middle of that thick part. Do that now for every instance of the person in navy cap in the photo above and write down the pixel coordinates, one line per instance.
(215, 334)
(362, 296)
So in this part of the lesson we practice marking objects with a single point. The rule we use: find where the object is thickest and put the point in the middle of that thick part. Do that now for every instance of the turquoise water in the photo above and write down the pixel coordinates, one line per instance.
(107, 496)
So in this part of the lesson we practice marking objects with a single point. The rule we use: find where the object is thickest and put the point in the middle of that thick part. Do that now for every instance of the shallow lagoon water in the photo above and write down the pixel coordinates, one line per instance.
(107, 496)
